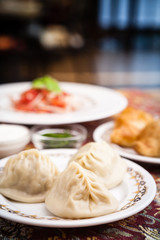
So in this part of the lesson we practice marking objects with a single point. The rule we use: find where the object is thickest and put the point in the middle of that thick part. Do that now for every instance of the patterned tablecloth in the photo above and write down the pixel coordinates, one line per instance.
(143, 225)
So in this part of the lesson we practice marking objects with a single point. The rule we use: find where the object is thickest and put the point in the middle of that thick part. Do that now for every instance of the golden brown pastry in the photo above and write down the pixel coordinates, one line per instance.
(128, 124)
(148, 142)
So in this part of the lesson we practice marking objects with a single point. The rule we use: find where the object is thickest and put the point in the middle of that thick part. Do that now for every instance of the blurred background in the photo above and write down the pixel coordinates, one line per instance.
(113, 43)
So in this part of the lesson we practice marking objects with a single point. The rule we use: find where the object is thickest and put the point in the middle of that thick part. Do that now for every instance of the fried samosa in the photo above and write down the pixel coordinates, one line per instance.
(148, 142)
(128, 125)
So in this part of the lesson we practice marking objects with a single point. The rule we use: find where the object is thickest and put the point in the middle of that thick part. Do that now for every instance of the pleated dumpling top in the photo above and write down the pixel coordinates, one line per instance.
(79, 193)
(28, 176)
(103, 160)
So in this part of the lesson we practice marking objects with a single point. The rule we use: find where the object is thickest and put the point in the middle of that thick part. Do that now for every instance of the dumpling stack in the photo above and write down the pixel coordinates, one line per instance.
(81, 190)
(28, 176)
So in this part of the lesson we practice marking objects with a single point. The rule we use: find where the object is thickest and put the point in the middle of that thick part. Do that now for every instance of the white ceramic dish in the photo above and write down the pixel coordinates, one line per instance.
(13, 138)
(135, 193)
(102, 133)
(92, 100)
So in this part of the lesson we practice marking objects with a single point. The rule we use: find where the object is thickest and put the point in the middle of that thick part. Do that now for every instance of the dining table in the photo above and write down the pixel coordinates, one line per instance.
(144, 224)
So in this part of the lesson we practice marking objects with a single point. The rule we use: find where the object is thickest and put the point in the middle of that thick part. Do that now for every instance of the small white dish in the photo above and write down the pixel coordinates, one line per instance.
(136, 192)
(13, 138)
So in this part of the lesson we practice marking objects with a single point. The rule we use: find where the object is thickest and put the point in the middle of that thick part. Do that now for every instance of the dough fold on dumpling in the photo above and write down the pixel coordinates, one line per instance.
(103, 160)
(79, 193)
(28, 176)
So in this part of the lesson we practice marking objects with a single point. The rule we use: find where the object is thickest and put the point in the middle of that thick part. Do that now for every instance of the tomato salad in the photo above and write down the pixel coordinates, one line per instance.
(45, 96)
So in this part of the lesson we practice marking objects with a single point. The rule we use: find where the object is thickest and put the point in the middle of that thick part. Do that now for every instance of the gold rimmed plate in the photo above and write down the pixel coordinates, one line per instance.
(134, 194)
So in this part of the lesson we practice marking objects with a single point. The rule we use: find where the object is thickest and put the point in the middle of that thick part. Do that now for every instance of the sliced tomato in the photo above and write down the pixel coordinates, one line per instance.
(26, 99)
(58, 101)
(24, 107)
(29, 95)
(44, 92)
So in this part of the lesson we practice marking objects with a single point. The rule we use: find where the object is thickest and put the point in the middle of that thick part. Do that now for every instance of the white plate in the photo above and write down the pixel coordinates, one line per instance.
(97, 103)
(102, 133)
(135, 193)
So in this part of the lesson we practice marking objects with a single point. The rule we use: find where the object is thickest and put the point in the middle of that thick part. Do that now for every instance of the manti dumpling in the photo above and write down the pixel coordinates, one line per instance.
(103, 160)
(128, 124)
(148, 142)
(79, 193)
(28, 176)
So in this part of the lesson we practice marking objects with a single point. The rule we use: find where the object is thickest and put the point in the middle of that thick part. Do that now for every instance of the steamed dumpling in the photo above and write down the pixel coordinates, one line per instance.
(79, 193)
(103, 160)
(28, 176)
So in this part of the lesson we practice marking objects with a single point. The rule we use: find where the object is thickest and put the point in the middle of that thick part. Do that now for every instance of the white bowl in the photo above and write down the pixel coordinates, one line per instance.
(13, 139)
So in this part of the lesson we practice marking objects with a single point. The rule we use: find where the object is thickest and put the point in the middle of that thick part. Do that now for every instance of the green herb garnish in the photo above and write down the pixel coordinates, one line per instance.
(59, 143)
(58, 135)
(48, 83)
